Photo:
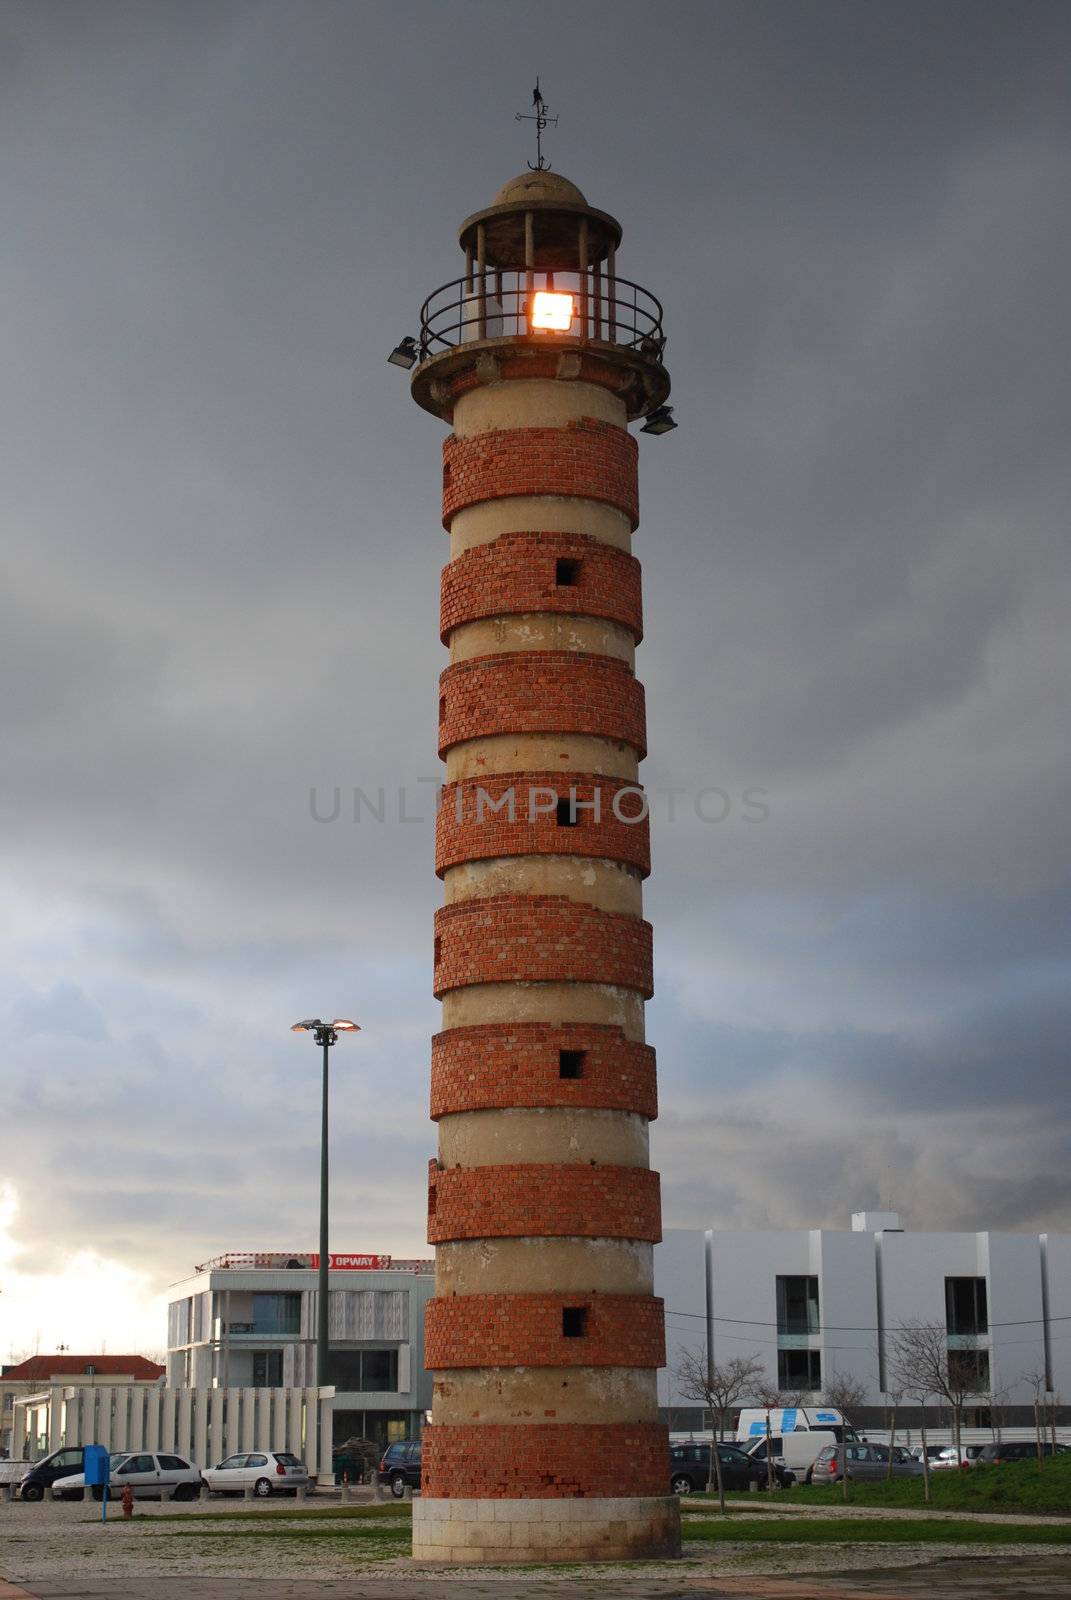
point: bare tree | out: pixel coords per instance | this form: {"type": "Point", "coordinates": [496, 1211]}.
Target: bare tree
{"type": "Point", "coordinates": [846, 1395]}
{"type": "Point", "coordinates": [996, 1398]}
{"type": "Point", "coordinates": [895, 1396]}
{"type": "Point", "coordinates": [921, 1360]}
{"type": "Point", "coordinates": [725, 1385]}
{"type": "Point", "coordinates": [1037, 1382]}
{"type": "Point", "coordinates": [718, 1388]}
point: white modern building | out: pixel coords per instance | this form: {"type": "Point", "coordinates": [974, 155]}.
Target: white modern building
{"type": "Point", "coordinates": [248, 1321]}
{"type": "Point", "coordinates": [812, 1305]}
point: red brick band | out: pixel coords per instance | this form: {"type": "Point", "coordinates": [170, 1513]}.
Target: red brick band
{"type": "Point", "coordinates": [544, 1330]}
{"type": "Point", "coordinates": [545, 1461]}
{"type": "Point", "coordinates": [591, 459]}
{"type": "Point", "coordinates": [517, 814]}
{"type": "Point", "coordinates": [543, 1201]}
{"type": "Point", "coordinates": [492, 1066]}
{"type": "Point", "coordinates": [565, 573]}
{"type": "Point", "coordinates": [541, 691]}
{"type": "Point", "coordinates": [539, 938]}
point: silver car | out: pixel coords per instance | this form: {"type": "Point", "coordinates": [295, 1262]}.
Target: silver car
{"type": "Point", "coordinates": [866, 1463]}
{"type": "Point", "coordinates": [150, 1476]}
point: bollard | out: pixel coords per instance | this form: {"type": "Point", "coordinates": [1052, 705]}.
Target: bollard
{"type": "Point", "coordinates": [345, 1488]}
{"type": "Point", "coordinates": [48, 1495]}
{"type": "Point", "coordinates": [301, 1492]}
{"type": "Point", "coordinates": [407, 1492]}
{"type": "Point", "coordinates": [247, 1492]}
{"type": "Point", "coordinates": [128, 1502]}
{"type": "Point", "coordinates": [753, 1485]}
{"type": "Point", "coordinates": [5, 1492]}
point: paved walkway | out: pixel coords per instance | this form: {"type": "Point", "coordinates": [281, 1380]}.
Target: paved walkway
{"type": "Point", "coordinates": [983, 1578]}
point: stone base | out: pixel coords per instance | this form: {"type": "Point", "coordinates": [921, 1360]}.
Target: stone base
{"type": "Point", "coordinates": [477, 1532]}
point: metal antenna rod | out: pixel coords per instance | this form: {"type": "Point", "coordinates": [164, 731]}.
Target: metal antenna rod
{"type": "Point", "coordinates": [542, 120]}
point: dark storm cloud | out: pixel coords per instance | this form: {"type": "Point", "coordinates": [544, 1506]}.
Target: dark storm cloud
{"type": "Point", "coordinates": [220, 513]}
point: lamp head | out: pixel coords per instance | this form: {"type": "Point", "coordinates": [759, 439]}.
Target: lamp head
{"type": "Point", "coordinates": [404, 354]}
{"type": "Point", "coordinates": [659, 421]}
{"type": "Point", "coordinates": [552, 310]}
{"type": "Point", "coordinates": [307, 1026]}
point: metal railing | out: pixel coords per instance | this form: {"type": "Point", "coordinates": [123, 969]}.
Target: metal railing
{"type": "Point", "coordinates": [498, 305]}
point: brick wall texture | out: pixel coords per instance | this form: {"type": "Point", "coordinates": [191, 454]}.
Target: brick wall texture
{"type": "Point", "coordinates": [541, 691]}
{"type": "Point", "coordinates": [540, 938]}
{"type": "Point", "coordinates": [495, 1065]}
{"type": "Point", "coordinates": [474, 821]}
{"type": "Point", "coordinates": [545, 1201]}
{"type": "Point", "coordinates": [519, 572]}
{"type": "Point", "coordinates": [591, 459]}
{"type": "Point", "coordinates": [559, 1460]}
{"type": "Point", "coordinates": [526, 1330]}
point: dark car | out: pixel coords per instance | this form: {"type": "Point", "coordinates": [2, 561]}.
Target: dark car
{"type": "Point", "coordinates": [43, 1474]}
{"type": "Point", "coordinates": [992, 1455]}
{"type": "Point", "coordinates": [689, 1469]}
{"type": "Point", "coordinates": [400, 1466]}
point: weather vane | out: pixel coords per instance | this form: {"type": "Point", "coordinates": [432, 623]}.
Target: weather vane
{"type": "Point", "coordinates": [541, 120]}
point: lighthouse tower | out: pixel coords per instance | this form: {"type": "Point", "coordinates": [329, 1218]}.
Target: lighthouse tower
{"type": "Point", "coordinates": [544, 1335]}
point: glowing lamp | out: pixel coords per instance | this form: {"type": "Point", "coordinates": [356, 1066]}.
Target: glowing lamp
{"type": "Point", "coordinates": [552, 311]}
{"type": "Point", "coordinates": [343, 1025]}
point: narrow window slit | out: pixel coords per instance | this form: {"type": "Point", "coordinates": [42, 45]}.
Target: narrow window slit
{"type": "Point", "coordinates": [565, 814]}
{"type": "Point", "coordinates": [566, 572]}
{"type": "Point", "coordinates": [571, 1063]}
{"type": "Point", "coordinates": [574, 1322]}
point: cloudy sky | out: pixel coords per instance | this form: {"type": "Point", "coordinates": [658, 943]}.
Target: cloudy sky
{"type": "Point", "coordinates": [219, 510]}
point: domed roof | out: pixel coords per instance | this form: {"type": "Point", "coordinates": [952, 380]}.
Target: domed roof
{"type": "Point", "coordinates": [543, 186]}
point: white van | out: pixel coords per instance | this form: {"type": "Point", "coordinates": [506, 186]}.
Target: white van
{"type": "Point", "coordinates": [792, 1419]}
{"type": "Point", "coordinates": [797, 1435]}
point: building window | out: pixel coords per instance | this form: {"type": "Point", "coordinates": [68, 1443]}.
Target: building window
{"type": "Point", "coordinates": [969, 1370]}
{"type": "Point", "coordinates": [799, 1369]}
{"type": "Point", "coordinates": [276, 1313]}
{"type": "Point", "coordinates": [267, 1369]}
{"type": "Point", "coordinates": [574, 1322]}
{"type": "Point", "coordinates": [966, 1306]}
{"type": "Point", "coordinates": [797, 1305]}
{"type": "Point", "coordinates": [566, 573]}
{"type": "Point", "coordinates": [364, 1371]}
{"type": "Point", "coordinates": [90, 1370]}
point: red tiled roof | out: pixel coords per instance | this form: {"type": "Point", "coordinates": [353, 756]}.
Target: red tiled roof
{"type": "Point", "coordinates": [39, 1369]}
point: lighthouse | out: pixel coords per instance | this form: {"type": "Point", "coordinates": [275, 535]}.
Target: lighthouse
{"type": "Point", "coordinates": [544, 1336]}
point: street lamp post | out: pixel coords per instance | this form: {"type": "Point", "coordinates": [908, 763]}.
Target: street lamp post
{"type": "Point", "coordinates": [325, 1034]}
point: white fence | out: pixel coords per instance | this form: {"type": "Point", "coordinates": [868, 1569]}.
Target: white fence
{"type": "Point", "coordinates": [202, 1424]}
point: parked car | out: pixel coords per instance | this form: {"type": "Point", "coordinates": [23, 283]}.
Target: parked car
{"type": "Point", "coordinates": [993, 1455]}
{"type": "Point", "coordinates": [400, 1466]}
{"type": "Point", "coordinates": [689, 1469]}
{"type": "Point", "coordinates": [44, 1473]}
{"type": "Point", "coordinates": [150, 1476]}
{"type": "Point", "coordinates": [865, 1463]}
{"type": "Point", "coordinates": [265, 1471]}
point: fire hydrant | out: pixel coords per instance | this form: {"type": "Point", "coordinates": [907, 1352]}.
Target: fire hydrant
{"type": "Point", "coordinates": [128, 1501]}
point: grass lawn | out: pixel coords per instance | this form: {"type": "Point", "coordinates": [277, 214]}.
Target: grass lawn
{"type": "Point", "coordinates": [1020, 1486]}
{"type": "Point", "coordinates": [861, 1530]}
